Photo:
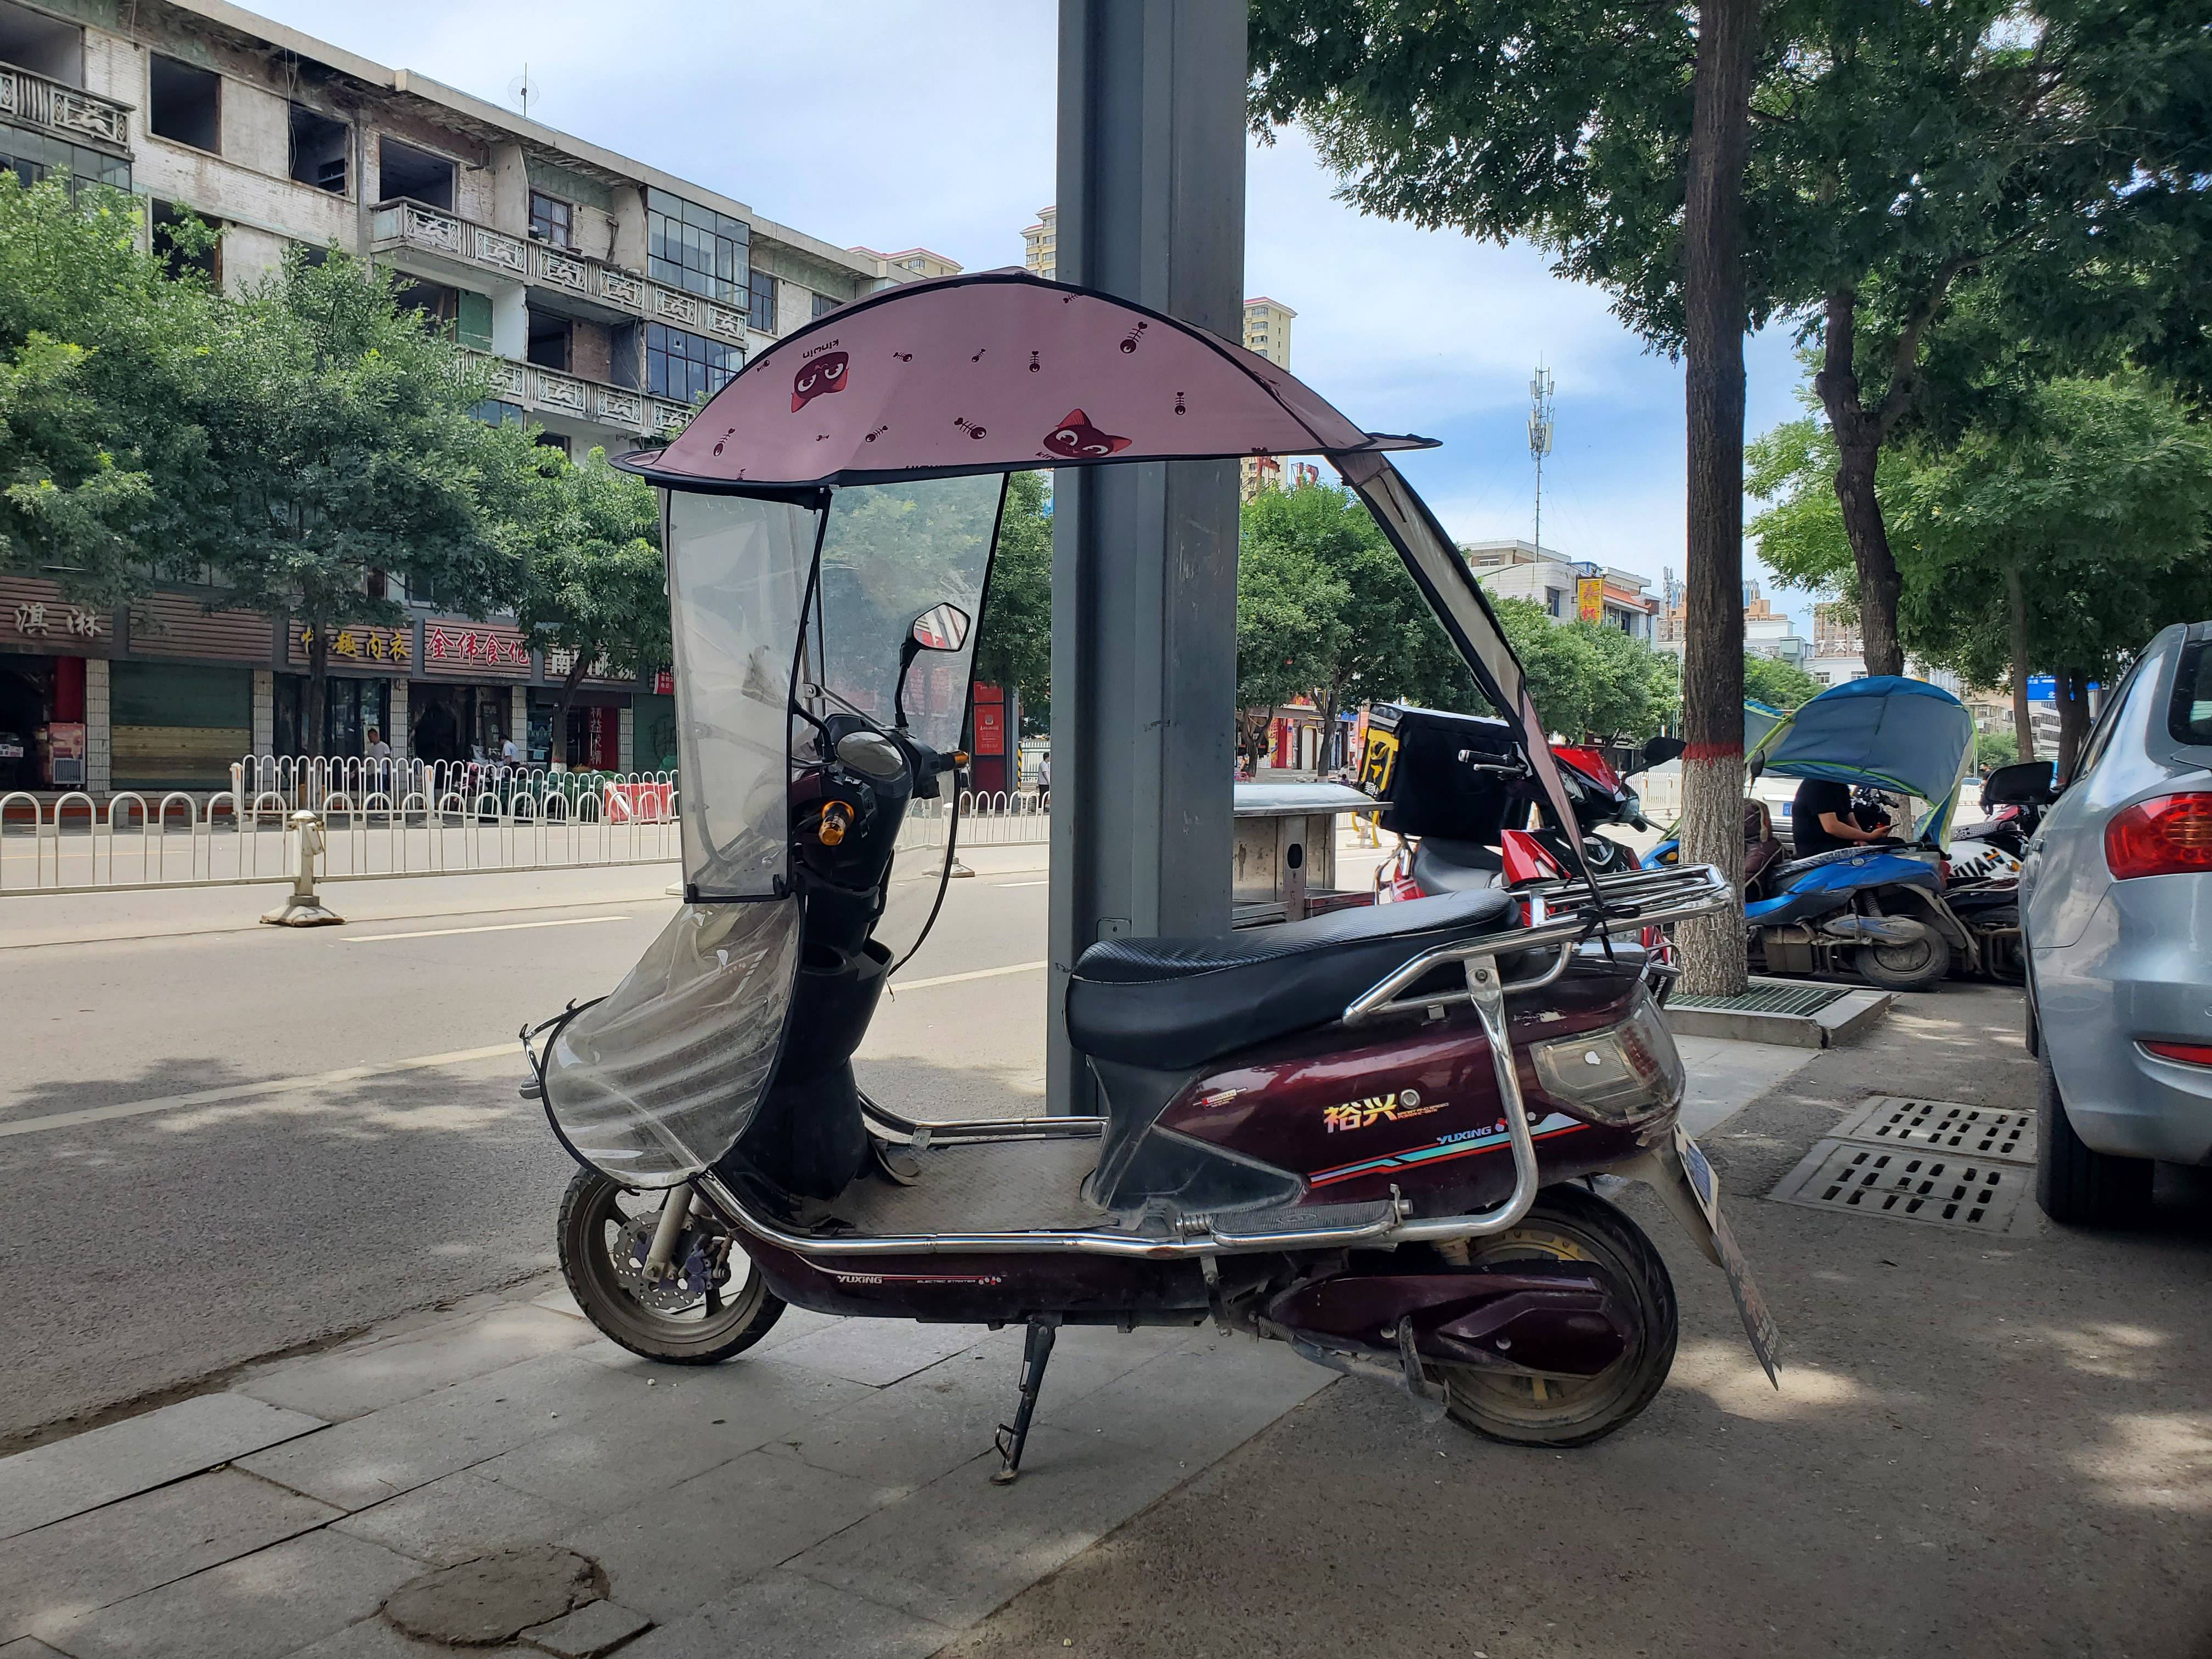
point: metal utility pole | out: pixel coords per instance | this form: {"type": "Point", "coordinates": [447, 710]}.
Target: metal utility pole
{"type": "Point", "coordinates": [1143, 568]}
{"type": "Point", "coordinates": [1540, 438]}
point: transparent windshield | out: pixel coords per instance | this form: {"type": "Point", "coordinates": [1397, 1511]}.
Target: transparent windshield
{"type": "Point", "coordinates": [890, 552]}
{"type": "Point", "coordinates": [736, 588]}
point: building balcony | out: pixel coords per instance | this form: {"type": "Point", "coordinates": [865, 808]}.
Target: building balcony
{"type": "Point", "coordinates": [462, 247]}
{"type": "Point", "coordinates": [549, 391]}
{"type": "Point", "coordinates": [67, 111]}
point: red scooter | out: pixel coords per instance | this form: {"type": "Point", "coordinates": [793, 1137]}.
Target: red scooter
{"type": "Point", "coordinates": [1370, 1134]}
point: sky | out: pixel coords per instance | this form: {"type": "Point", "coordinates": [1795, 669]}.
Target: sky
{"type": "Point", "coordinates": [893, 124]}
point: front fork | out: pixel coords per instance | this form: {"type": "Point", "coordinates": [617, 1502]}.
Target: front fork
{"type": "Point", "coordinates": [668, 1234]}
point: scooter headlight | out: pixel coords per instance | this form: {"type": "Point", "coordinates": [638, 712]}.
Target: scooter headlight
{"type": "Point", "coordinates": [1616, 1075]}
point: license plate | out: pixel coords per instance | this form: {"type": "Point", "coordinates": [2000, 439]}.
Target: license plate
{"type": "Point", "coordinates": [1751, 1306]}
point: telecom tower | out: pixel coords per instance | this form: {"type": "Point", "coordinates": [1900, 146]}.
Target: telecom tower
{"type": "Point", "coordinates": [1540, 438]}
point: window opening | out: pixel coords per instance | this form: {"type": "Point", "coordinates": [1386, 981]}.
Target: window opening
{"type": "Point", "coordinates": [415, 174]}
{"type": "Point", "coordinates": [763, 301]}
{"type": "Point", "coordinates": [186, 242]}
{"type": "Point", "coordinates": [185, 104]}
{"type": "Point", "coordinates": [321, 145]}
{"type": "Point", "coordinates": [552, 220]}
{"type": "Point", "coordinates": [551, 340]}
{"type": "Point", "coordinates": [695, 247]}
{"type": "Point", "coordinates": [824, 304]}
{"type": "Point", "coordinates": [43, 46]}
{"type": "Point", "coordinates": [687, 367]}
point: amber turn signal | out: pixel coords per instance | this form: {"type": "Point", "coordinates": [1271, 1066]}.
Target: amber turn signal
{"type": "Point", "coordinates": [836, 818]}
{"type": "Point", "coordinates": [960, 758]}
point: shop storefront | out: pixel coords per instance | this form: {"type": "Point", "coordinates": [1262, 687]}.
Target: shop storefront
{"type": "Point", "coordinates": [464, 706]}
{"type": "Point", "coordinates": [363, 689]}
{"type": "Point", "coordinates": [179, 725]}
{"type": "Point", "coordinates": [44, 644]}
{"type": "Point", "coordinates": [592, 738]}
{"type": "Point", "coordinates": [652, 728]}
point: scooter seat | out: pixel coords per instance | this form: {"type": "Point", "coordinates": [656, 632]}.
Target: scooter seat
{"type": "Point", "coordinates": [1167, 1004]}
{"type": "Point", "coordinates": [1457, 867]}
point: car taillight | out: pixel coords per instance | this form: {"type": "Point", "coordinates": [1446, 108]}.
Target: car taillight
{"type": "Point", "coordinates": [2189, 1054]}
{"type": "Point", "coordinates": [2165, 835]}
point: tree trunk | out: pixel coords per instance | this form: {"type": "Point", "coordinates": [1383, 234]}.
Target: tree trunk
{"type": "Point", "coordinates": [1859, 448]}
{"type": "Point", "coordinates": [557, 750]}
{"type": "Point", "coordinates": [1712, 668]}
{"type": "Point", "coordinates": [318, 686]}
{"type": "Point", "coordinates": [2023, 727]}
{"type": "Point", "coordinates": [2072, 718]}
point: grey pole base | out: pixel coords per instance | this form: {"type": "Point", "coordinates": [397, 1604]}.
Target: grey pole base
{"type": "Point", "coordinates": [303, 910]}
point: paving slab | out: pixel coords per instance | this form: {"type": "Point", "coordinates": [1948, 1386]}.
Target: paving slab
{"type": "Point", "coordinates": [912, 1431]}
{"type": "Point", "coordinates": [1726, 1075]}
{"type": "Point", "coordinates": [588, 1632]}
{"type": "Point", "coordinates": [459, 1517]}
{"type": "Point", "coordinates": [1196, 1402]}
{"type": "Point", "coordinates": [959, 1546]}
{"type": "Point", "coordinates": [28, 1647]}
{"type": "Point", "coordinates": [360, 1463]}
{"type": "Point", "coordinates": [362, 1377]}
{"type": "Point", "coordinates": [785, 1616]}
{"type": "Point", "coordinates": [111, 1553]}
{"type": "Point", "coordinates": [52, 1483]}
{"type": "Point", "coordinates": [259, 1606]}
{"type": "Point", "coordinates": [693, 1419]}
{"type": "Point", "coordinates": [879, 1351]}
{"type": "Point", "coordinates": [374, 1639]}
{"type": "Point", "coordinates": [695, 1543]}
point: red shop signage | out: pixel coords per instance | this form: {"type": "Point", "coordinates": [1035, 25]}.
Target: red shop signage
{"type": "Point", "coordinates": [472, 650]}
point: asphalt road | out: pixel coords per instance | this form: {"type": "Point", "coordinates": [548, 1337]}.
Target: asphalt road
{"type": "Point", "coordinates": [149, 1247]}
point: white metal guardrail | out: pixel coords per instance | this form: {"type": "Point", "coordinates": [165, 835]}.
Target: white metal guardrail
{"type": "Point", "coordinates": [396, 818]}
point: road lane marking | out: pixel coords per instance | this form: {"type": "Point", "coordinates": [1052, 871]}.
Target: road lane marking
{"type": "Point", "coordinates": [493, 927]}
{"type": "Point", "coordinates": [285, 1086]}
{"type": "Point", "coordinates": [1046, 883]}
{"type": "Point", "coordinates": [956, 979]}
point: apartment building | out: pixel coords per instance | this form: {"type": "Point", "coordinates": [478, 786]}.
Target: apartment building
{"type": "Point", "coordinates": [1041, 244]}
{"type": "Point", "coordinates": [1521, 570]}
{"type": "Point", "coordinates": [608, 295]}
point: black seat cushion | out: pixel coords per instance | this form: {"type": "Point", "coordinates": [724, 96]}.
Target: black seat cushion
{"type": "Point", "coordinates": [1456, 866]}
{"type": "Point", "coordinates": [1169, 1003]}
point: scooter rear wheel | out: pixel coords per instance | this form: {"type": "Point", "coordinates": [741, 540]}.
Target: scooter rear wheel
{"type": "Point", "coordinates": [601, 1225]}
{"type": "Point", "coordinates": [1919, 966]}
{"type": "Point", "coordinates": [1571, 1224]}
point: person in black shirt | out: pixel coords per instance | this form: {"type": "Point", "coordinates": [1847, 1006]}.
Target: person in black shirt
{"type": "Point", "coordinates": [1820, 819]}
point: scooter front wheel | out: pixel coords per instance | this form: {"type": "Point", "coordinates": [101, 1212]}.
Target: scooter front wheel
{"type": "Point", "coordinates": [720, 1306]}
{"type": "Point", "coordinates": [1571, 1224]}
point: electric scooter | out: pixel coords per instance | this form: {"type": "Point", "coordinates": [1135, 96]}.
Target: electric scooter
{"type": "Point", "coordinates": [1372, 1135]}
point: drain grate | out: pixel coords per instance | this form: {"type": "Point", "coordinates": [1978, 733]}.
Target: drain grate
{"type": "Point", "coordinates": [1942, 1126]}
{"type": "Point", "coordinates": [1941, 1190]}
{"type": "Point", "coordinates": [1803, 1000]}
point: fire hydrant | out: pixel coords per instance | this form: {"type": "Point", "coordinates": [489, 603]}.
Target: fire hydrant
{"type": "Point", "coordinates": [304, 907]}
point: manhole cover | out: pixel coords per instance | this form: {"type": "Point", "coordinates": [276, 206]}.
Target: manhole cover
{"type": "Point", "coordinates": [496, 1596]}
{"type": "Point", "coordinates": [1803, 1001]}
{"type": "Point", "coordinates": [1938, 1188]}
{"type": "Point", "coordinates": [1942, 1126]}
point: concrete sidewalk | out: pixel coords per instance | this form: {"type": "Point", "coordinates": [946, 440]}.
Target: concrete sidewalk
{"type": "Point", "coordinates": [827, 1492]}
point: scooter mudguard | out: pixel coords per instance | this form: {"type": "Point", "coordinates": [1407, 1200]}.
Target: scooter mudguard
{"type": "Point", "coordinates": [1678, 1172]}
{"type": "Point", "coordinates": [1552, 1317]}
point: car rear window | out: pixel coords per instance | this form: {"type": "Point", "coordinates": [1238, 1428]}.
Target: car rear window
{"type": "Point", "coordinates": [2190, 719]}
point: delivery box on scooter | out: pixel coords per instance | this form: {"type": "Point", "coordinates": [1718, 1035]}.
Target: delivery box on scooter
{"type": "Point", "coordinates": [1441, 773]}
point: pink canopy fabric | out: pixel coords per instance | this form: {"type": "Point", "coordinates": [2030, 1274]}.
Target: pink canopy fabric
{"type": "Point", "coordinates": [996, 371]}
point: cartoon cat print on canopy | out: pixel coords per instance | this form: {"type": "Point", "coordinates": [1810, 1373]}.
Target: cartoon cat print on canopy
{"type": "Point", "coordinates": [817, 378]}
{"type": "Point", "coordinates": [1076, 440]}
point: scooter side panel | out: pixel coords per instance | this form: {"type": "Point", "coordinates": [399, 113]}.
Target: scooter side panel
{"type": "Point", "coordinates": [986, 1290]}
{"type": "Point", "coordinates": [1416, 1107]}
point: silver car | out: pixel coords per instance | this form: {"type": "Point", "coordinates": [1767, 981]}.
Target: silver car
{"type": "Point", "coordinates": [2118, 922]}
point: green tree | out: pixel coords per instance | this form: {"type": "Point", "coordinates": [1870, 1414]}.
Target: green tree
{"type": "Point", "coordinates": [2055, 541]}
{"type": "Point", "coordinates": [1637, 689]}
{"type": "Point", "coordinates": [1289, 629]}
{"type": "Point", "coordinates": [1777, 684]}
{"type": "Point", "coordinates": [1588, 682]}
{"type": "Point", "coordinates": [1014, 645]}
{"type": "Point", "coordinates": [343, 460]}
{"type": "Point", "coordinates": [594, 585]}
{"type": "Point", "coordinates": [103, 359]}
{"type": "Point", "coordinates": [1995, 749]}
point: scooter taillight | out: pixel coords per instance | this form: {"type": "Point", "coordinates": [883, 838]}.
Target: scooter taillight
{"type": "Point", "coordinates": [1616, 1075]}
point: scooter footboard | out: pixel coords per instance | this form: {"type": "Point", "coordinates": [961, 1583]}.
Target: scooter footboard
{"type": "Point", "coordinates": [1678, 1172]}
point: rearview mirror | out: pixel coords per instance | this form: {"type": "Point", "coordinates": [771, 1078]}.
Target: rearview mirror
{"type": "Point", "coordinates": [2024, 783]}
{"type": "Point", "coordinates": [1657, 752]}
{"type": "Point", "coordinates": [941, 628]}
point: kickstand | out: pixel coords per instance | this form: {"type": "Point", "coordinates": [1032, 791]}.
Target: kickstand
{"type": "Point", "coordinates": [1036, 1354]}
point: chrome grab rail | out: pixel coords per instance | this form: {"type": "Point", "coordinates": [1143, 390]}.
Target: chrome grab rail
{"type": "Point", "coordinates": [1696, 889]}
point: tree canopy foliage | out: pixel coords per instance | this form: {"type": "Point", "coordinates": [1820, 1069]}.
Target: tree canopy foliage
{"type": "Point", "coordinates": [1777, 684]}
{"type": "Point", "coordinates": [1589, 680]}
{"type": "Point", "coordinates": [1014, 646]}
